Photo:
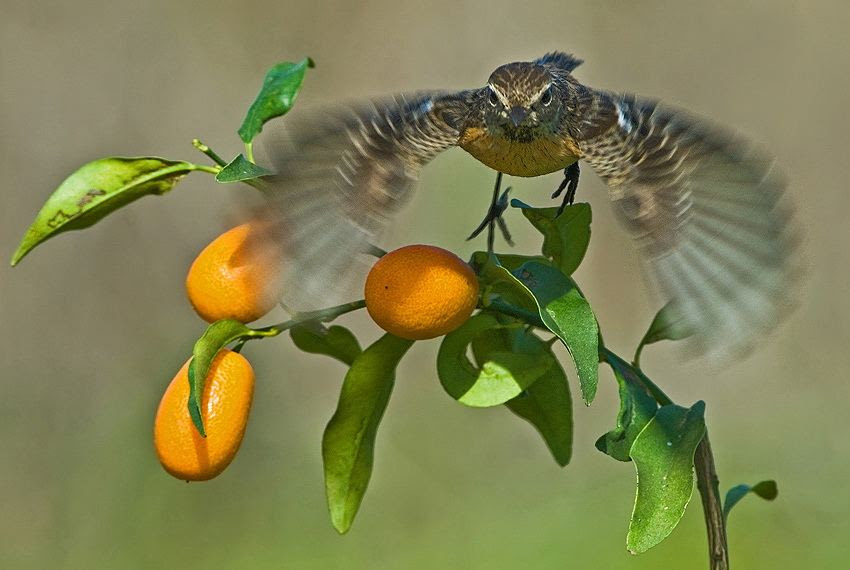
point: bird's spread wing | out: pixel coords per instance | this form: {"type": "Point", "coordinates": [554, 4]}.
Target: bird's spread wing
{"type": "Point", "coordinates": [706, 208]}
{"type": "Point", "coordinates": [339, 176]}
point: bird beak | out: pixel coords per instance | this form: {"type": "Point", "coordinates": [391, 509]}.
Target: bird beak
{"type": "Point", "coordinates": [518, 115]}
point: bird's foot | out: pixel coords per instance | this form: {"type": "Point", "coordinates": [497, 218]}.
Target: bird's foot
{"type": "Point", "coordinates": [494, 217]}
{"type": "Point", "coordinates": [570, 183]}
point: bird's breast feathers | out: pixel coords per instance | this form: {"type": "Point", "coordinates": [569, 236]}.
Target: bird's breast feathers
{"type": "Point", "coordinates": [520, 158]}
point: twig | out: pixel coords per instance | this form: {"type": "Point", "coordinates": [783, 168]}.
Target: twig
{"type": "Point", "coordinates": [712, 507]}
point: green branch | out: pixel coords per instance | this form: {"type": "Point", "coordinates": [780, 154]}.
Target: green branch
{"type": "Point", "coordinates": [320, 316]}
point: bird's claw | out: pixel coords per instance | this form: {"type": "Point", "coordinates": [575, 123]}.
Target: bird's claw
{"type": "Point", "coordinates": [494, 215]}
{"type": "Point", "coordinates": [570, 183]}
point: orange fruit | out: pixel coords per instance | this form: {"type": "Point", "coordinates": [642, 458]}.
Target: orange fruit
{"type": "Point", "coordinates": [235, 276]}
{"type": "Point", "coordinates": [420, 291]}
{"type": "Point", "coordinates": [225, 405]}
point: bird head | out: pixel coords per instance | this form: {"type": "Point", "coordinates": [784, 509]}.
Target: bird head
{"type": "Point", "coordinates": [521, 101]}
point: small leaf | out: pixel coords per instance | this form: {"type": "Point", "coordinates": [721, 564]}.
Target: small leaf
{"type": "Point", "coordinates": [767, 490]}
{"type": "Point", "coordinates": [349, 441]}
{"type": "Point", "coordinates": [565, 237]}
{"type": "Point", "coordinates": [280, 87]}
{"type": "Point", "coordinates": [667, 325]}
{"type": "Point", "coordinates": [500, 375]}
{"type": "Point", "coordinates": [217, 336]}
{"type": "Point", "coordinates": [97, 189]}
{"type": "Point", "coordinates": [637, 407]}
{"type": "Point", "coordinates": [337, 342]}
{"type": "Point", "coordinates": [240, 169]}
{"type": "Point", "coordinates": [664, 458]}
{"type": "Point", "coordinates": [567, 314]}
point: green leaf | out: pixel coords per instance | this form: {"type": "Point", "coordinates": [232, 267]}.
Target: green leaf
{"type": "Point", "coordinates": [500, 374]}
{"type": "Point", "coordinates": [97, 189]}
{"type": "Point", "coordinates": [565, 237]}
{"type": "Point", "coordinates": [337, 342]}
{"type": "Point", "coordinates": [240, 169]}
{"type": "Point", "coordinates": [637, 407]}
{"type": "Point", "coordinates": [497, 281]}
{"type": "Point", "coordinates": [767, 490]}
{"type": "Point", "coordinates": [217, 336]}
{"type": "Point", "coordinates": [547, 405]}
{"type": "Point", "coordinates": [664, 458]}
{"type": "Point", "coordinates": [280, 87]}
{"type": "Point", "coordinates": [567, 314]}
{"type": "Point", "coordinates": [667, 325]}
{"type": "Point", "coordinates": [349, 441]}
{"type": "Point", "coordinates": [509, 261]}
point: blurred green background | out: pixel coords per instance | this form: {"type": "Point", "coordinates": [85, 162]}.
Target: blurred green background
{"type": "Point", "coordinates": [95, 323]}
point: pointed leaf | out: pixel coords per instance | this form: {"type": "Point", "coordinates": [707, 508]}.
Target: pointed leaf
{"type": "Point", "coordinates": [767, 490]}
{"type": "Point", "coordinates": [97, 189]}
{"type": "Point", "coordinates": [501, 374]}
{"type": "Point", "coordinates": [217, 336]}
{"type": "Point", "coordinates": [567, 314]}
{"type": "Point", "coordinates": [667, 325]}
{"type": "Point", "coordinates": [280, 87]}
{"type": "Point", "coordinates": [637, 407]}
{"type": "Point", "coordinates": [565, 237]}
{"type": "Point", "coordinates": [240, 169]}
{"type": "Point", "coordinates": [664, 458]}
{"type": "Point", "coordinates": [349, 440]}
{"type": "Point", "coordinates": [337, 342]}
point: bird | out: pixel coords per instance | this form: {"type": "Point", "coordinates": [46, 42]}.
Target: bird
{"type": "Point", "coordinates": [706, 207]}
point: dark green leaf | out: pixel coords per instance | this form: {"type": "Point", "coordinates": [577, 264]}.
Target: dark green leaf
{"type": "Point", "coordinates": [547, 405]}
{"type": "Point", "coordinates": [565, 237]}
{"type": "Point", "coordinates": [664, 458]}
{"type": "Point", "coordinates": [501, 374]}
{"type": "Point", "coordinates": [217, 336]}
{"type": "Point", "coordinates": [337, 342]}
{"type": "Point", "coordinates": [567, 314]}
{"type": "Point", "coordinates": [97, 189]}
{"type": "Point", "coordinates": [349, 441]}
{"type": "Point", "coordinates": [280, 87]}
{"type": "Point", "coordinates": [767, 490]}
{"type": "Point", "coordinates": [240, 169]}
{"type": "Point", "coordinates": [637, 407]}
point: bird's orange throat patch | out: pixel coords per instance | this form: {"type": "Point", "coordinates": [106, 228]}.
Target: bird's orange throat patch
{"type": "Point", "coordinates": [533, 158]}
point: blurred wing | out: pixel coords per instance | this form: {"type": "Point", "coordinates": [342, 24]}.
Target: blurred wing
{"type": "Point", "coordinates": [339, 176]}
{"type": "Point", "coordinates": [705, 207]}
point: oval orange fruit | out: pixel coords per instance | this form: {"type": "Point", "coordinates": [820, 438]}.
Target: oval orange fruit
{"type": "Point", "coordinates": [225, 405]}
{"type": "Point", "coordinates": [235, 276]}
{"type": "Point", "coordinates": [420, 291]}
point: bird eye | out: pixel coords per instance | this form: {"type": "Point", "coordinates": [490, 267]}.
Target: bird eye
{"type": "Point", "coordinates": [546, 98]}
{"type": "Point", "coordinates": [493, 99]}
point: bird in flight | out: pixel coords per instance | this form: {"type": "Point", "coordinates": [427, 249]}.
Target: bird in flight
{"type": "Point", "coordinates": [704, 205]}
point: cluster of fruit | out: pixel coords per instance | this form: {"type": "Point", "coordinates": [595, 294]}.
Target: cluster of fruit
{"type": "Point", "coordinates": [415, 292]}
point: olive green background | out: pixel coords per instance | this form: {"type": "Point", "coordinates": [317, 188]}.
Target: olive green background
{"type": "Point", "coordinates": [94, 324]}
